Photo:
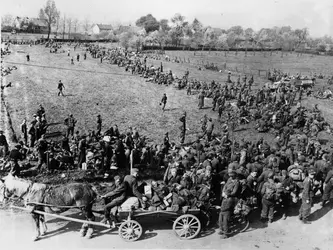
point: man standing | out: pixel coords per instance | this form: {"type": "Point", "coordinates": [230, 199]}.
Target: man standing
{"type": "Point", "coordinates": [229, 193]}
{"type": "Point", "coordinates": [210, 128]}
{"type": "Point", "coordinates": [78, 57]}
{"type": "Point", "coordinates": [60, 88]}
{"type": "Point", "coordinates": [3, 144]}
{"type": "Point", "coordinates": [268, 192]}
{"type": "Point", "coordinates": [24, 131]}
{"type": "Point", "coordinates": [182, 127]}
{"type": "Point", "coordinates": [70, 122]}
{"type": "Point", "coordinates": [41, 148]}
{"type": "Point", "coordinates": [164, 101]}
{"type": "Point", "coordinates": [82, 151]}
{"type": "Point", "coordinates": [201, 98]}
{"type": "Point", "coordinates": [307, 196]}
{"type": "Point", "coordinates": [28, 58]}
{"type": "Point", "coordinates": [99, 125]}
{"type": "Point", "coordinates": [15, 156]}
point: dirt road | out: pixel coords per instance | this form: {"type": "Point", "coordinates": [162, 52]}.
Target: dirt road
{"type": "Point", "coordinates": [17, 233]}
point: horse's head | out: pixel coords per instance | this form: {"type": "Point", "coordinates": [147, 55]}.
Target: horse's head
{"type": "Point", "coordinates": [13, 186]}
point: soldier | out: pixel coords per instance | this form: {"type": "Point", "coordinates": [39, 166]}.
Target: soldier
{"type": "Point", "coordinates": [14, 156]}
{"type": "Point", "coordinates": [163, 101]}
{"type": "Point", "coordinates": [41, 148]}
{"type": "Point", "coordinates": [70, 123]}
{"type": "Point", "coordinates": [3, 144]}
{"type": "Point", "coordinates": [78, 57]}
{"type": "Point", "coordinates": [268, 192]}
{"type": "Point", "coordinates": [201, 98]}
{"type": "Point", "coordinates": [99, 125]}
{"type": "Point", "coordinates": [307, 197]}
{"type": "Point", "coordinates": [229, 193]}
{"type": "Point", "coordinates": [24, 131]}
{"type": "Point", "coordinates": [117, 197]}
{"type": "Point", "coordinates": [60, 88]}
{"type": "Point", "coordinates": [182, 127]}
{"type": "Point", "coordinates": [82, 151]}
{"type": "Point", "coordinates": [210, 128]}
{"type": "Point", "coordinates": [28, 57]}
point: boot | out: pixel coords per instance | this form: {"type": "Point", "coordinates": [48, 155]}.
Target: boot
{"type": "Point", "coordinates": [323, 203]}
{"type": "Point", "coordinates": [305, 221]}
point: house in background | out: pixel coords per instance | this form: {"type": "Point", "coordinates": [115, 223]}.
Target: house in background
{"type": "Point", "coordinates": [34, 25]}
{"type": "Point", "coordinates": [99, 28]}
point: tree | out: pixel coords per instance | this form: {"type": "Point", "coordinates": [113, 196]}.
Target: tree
{"type": "Point", "coordinates": [158, 36]}
{"type": "Point", "coordinates": [176, 33]}
{"type": "Point", "coordinates": [301, 35]}
{"type": "Point", "coordinates": [164, 25]}
{"type": "Point", "coordinates": [237, 30]}
{"type": "Point", "coordinates": [86, 25]}
{"type": "Point", "coordinates": [57, 24]}
{"type": "Point", "coordinates": [75, 24]}
{"type": "Point", "coordinates": [63, 22]}
{"type": "Point", "coordinates": [222, 41]}
{"type": "Point", "coordinates": [148, 22]}
{"type": "Point", "coordinates": [69, 26]}
{"type": "Point", "coordinates": [124, 39]}
{"type": "Point", "coordinates": [50, 14]}
{"type": "Point", "coordinates": [7, 21]}
{"type": "Point", "coordinates": [210, 38]}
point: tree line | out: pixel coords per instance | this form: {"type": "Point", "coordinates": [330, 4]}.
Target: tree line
{"type": "Point", "coordinates": [180, 32]}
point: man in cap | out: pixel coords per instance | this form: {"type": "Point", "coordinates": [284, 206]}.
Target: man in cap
{"type": "Point", "coordinates": [41, 148]}
{"type": "Point", "coordinates": [229, 193]}
{"type": "Point", "coordinates": [307, 197]}
{"type": "Point", "coordinates": [15, 156]}
{"type": "Point", "coordinates": [132, 185]}
{"type": "Point", "coordinates": [82, 151]}
{"type": "Point", "coordinates": [24, 131]}
{"type": "Point", "coordinates": [60, 88]}
{"type": "Point", "coordinates": [70, 122]}
{"type": "Point", "coordinates": [268, 193]}
{"type": "Point", "coordinates": [210, 128]}
{"type": "Point", "coordinates": [163, 101]}
{"type": "Point", "coordinates": [328, 189]}
{"type": "Point", "coordinates": [116, 197]}
{"type": "Point", "coordinates": [3, 144]}
{"type": "Point", "coordinates": [182, 127]}
{"type": "Point", "coordinates": [99, 125]}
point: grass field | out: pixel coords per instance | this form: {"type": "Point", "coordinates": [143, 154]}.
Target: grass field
{"type": "Point", "coordinates": [127, 100]}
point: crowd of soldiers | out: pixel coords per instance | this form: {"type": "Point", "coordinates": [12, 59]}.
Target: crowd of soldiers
{"type": "Point", "coordinates": [269, 175]}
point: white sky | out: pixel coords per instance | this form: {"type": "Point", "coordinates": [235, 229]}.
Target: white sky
{"type": "Point", "coordinates": [317, 15]}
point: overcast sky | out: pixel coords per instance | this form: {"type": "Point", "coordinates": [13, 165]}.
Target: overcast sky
{"type": "Point", "coordinates": [317, 15]}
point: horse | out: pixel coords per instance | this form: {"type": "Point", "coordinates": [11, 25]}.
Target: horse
{"type": "Point", "coordinates": [57, 199]}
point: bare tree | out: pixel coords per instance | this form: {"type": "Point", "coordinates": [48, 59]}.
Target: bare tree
{"type": "Point", "coordinates": [69, 25]}
{"type": "Point", "coordinates": [75, 24]}
{"type": "Point", "coordinates": [86, 25]}
{"type": "Point", "coordinates": [49, 13]}
{"type": "Point", "coordinates": [7, 20]}
{"type": "Point", "coordinates": [57, 24]}
{"type": "Point", "coordinates": [63, 26]}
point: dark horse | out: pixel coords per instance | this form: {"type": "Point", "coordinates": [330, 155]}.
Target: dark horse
{"type": "Point", "coordinates": [60, 198]}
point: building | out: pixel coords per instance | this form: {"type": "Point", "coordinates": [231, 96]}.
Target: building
{"type": "Point", "coordinates": [99, 28]}
{"type": "Point", "coordinates": [34, 25]}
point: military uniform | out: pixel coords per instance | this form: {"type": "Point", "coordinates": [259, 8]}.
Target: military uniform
{"type": "Point", "coordinates": [307, 197]}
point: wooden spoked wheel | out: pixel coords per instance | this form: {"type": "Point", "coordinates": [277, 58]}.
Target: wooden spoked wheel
{"type": "Point", "coordinates": [187, 226]}
{"type": "Point", "coordinates": [130, 230]}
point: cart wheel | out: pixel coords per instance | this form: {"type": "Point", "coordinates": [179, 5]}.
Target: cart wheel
{"type": "Point", "coordinates": [130, 230]}
{"type": "Point", "coordinates": [187, 226]}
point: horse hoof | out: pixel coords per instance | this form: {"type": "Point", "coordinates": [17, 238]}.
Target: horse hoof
{"type": "Point", "coordinates": [83, 233]}
{"type": "Point", "coordinates": [89, 234]}
{"type": "Point", "coordinates": [36, 238]}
